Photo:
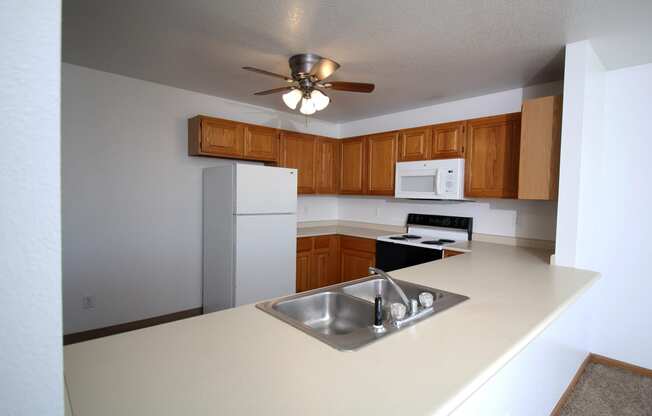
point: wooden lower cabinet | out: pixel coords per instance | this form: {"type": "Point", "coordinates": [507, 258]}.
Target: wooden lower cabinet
{"type": "Point", "coordinates": [357, 255]}
{"type": "Point", "coordinates": [331, 259]}
{"type": "Point", "coordinates": [326, 260]}
{"type": "Point", "coordinates": [318, 262]}
{"type": "Point", "coordinates": [451, 253]}
{"type": "Point", "coordinates": [304, 272]}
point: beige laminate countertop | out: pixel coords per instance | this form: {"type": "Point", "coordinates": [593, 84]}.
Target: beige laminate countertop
{"type": "Point", "coordinates": [243, 361]}
{"type": "Point", "coordinates": [351, 231]}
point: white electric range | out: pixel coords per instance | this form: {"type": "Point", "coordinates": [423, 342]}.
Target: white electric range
{"type": "Point", "coordinates": [426, 237]}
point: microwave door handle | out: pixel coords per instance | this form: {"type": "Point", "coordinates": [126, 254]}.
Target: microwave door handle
{"type": "Point", "coordinates": [437, 182]}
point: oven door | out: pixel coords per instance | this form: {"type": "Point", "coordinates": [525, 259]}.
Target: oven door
{"type": "Point", "coordinates": [390, 256]}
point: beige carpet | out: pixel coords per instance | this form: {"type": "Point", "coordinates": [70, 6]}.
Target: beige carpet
{"type": "Point", "coordinates": [610, 391]}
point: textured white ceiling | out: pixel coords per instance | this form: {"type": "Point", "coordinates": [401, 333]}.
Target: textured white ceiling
{"type": "Point", "coordinates": [416, 52]}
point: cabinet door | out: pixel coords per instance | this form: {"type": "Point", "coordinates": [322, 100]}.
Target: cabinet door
{"type": "Point", "coordinates": [327, 165]}
{"type": "Point", "coordinates": [355, 264]}
{"type": "Point", "coordinates": [298, 151]}
{"type": "Point", "coordinates": [304, 272]}
{"type": "Point", "coordinates": [260, 143]}
{"type": "Point", "coordinates": [352, 166]}
{"type": "Point", "coordinates": [414, 144]}
{"type": "Point", "coordinates": [222, 137]}
{"type": "Point", "coordinates": [538, 176]}
{"type": "Point", "coordinates": [492, 156]}
{"type": "Point", "coordinates": [448, 140]}
{"type": "Point", "coordinates": [381, 158]}
{"type": "Point", "coordinates": [325, 260]}
{"type": "Point", "coordinates": [451, 253]}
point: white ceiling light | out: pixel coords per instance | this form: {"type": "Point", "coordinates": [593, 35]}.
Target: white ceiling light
{"type": "Point", "coordinates": [307, 106]}
{"type": "Point", "coordinates": [320, 99]}
{"type": "Point", "coordinates": [292, 98]}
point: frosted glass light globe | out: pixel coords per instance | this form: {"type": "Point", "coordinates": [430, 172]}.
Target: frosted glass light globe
{"type": "Point", "coordinates": [292, 98]}
{"type": "Point", "coordinates": [320, 99]}
{"type": "Point", "coordinates": [307, 106]}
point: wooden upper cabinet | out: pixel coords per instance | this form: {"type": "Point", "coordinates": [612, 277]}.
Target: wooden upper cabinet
{"type": "Point", "coordinates": [448, 140]}
{"type": "Point", "coordinates": [298, 151]}
{"type": "Point", "coordinates": [538, 176]}
{"type": "Point", "coordinates": [492, 156]}
{"type": "Point", "coordinates": [414, 144]}
{"type": "Point", "coordinates": [260, 143]}
{"type": "Point", "coordinates": [382, 152]}
{"type": "Point", "coordinates": [352, 162]}
{"type": "Point", "coordinates": [327, 165]}
{"type": "Point", "coordinates": [209, 136]}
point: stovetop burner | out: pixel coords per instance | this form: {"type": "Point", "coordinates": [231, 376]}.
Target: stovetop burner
{"type": "Point", "coordinates": [405, 237]}
{"type": "Point", "coordinates": [439, 242]}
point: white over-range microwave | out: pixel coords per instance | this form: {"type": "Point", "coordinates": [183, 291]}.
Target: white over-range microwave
{"type": "Point", "coordinates": [430, 179]}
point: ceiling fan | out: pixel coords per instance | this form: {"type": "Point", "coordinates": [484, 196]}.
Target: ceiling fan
{"type": "Point", "coordinates": [308, 74]}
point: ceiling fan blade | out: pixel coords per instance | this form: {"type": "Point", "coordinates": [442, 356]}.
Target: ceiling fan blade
{"type": "Point", "coordinates": [271, 74]}
{"type": "Point", "coordinates": [349, 86]}
{"type": "Point", "coordinates": [274, 91]}
{"type": "Point", "coordinates": [324, 68]}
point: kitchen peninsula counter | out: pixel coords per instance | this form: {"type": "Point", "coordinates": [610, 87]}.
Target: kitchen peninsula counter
{"type": "Point", "coordinates": [243, 361]}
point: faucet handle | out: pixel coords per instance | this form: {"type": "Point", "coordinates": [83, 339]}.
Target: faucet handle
{"type": "Point", "coordinates": [398, 311]}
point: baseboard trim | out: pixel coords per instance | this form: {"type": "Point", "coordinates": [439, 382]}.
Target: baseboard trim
{"type": "Point", "coordinates": [596, 359]}
{"type": "Point", "coordinates": [129, 326]}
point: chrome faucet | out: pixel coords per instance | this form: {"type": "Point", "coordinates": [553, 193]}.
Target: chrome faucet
{"type": "Point", "coordinates": [410, 306]}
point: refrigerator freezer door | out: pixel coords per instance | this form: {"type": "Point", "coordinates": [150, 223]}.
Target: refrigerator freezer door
{"type": "Point", "coordinates": [265, 190]}
{"type": "Point", "coordinates": [265, 257]}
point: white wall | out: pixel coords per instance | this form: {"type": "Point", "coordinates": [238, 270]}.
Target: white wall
{"type": "Point", "coordinates": [317, 208]}
{"type": "Point", "coordinates": [31, 365]}
{"type": "Point", "coordinates": [132, 196]}
{"type": "Point", "coordinates": [625, 312]}
{"type": "Point", "coordinates": [605, 198]}
{"type": "Point", "coordinates": [581, 149]}
{"type": "Point", "coordinates": [481, 106]}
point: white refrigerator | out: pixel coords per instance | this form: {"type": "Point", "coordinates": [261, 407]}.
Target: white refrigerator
{"type": "Point", "coordinates": [250, 228]}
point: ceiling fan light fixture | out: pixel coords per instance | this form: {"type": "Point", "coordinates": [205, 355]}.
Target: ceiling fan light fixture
{"type": "Point", "coordinates": [292, 98]}
{"type": "Point", "coordinates": [319, 99]}
{"type": "Point", "coordinates": [307, 107]}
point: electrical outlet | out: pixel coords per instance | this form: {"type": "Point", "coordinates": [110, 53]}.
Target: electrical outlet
{"type": "Point", "coordinates": [88, 302]}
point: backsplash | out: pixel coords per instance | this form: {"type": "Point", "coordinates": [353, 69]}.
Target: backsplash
{"type": "Point", "coordinates": [511, 218]}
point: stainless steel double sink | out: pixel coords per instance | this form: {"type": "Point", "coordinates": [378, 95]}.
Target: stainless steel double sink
{"type": "Point", "coordinates": [342, 315]}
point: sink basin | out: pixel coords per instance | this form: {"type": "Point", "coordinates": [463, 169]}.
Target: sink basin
{"type": "Point", "coordinates": [330, 313]}
{"type": "Point", "coordinates": [342, 315]}
{"type": "Point", "coordinates": [369, 289]}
